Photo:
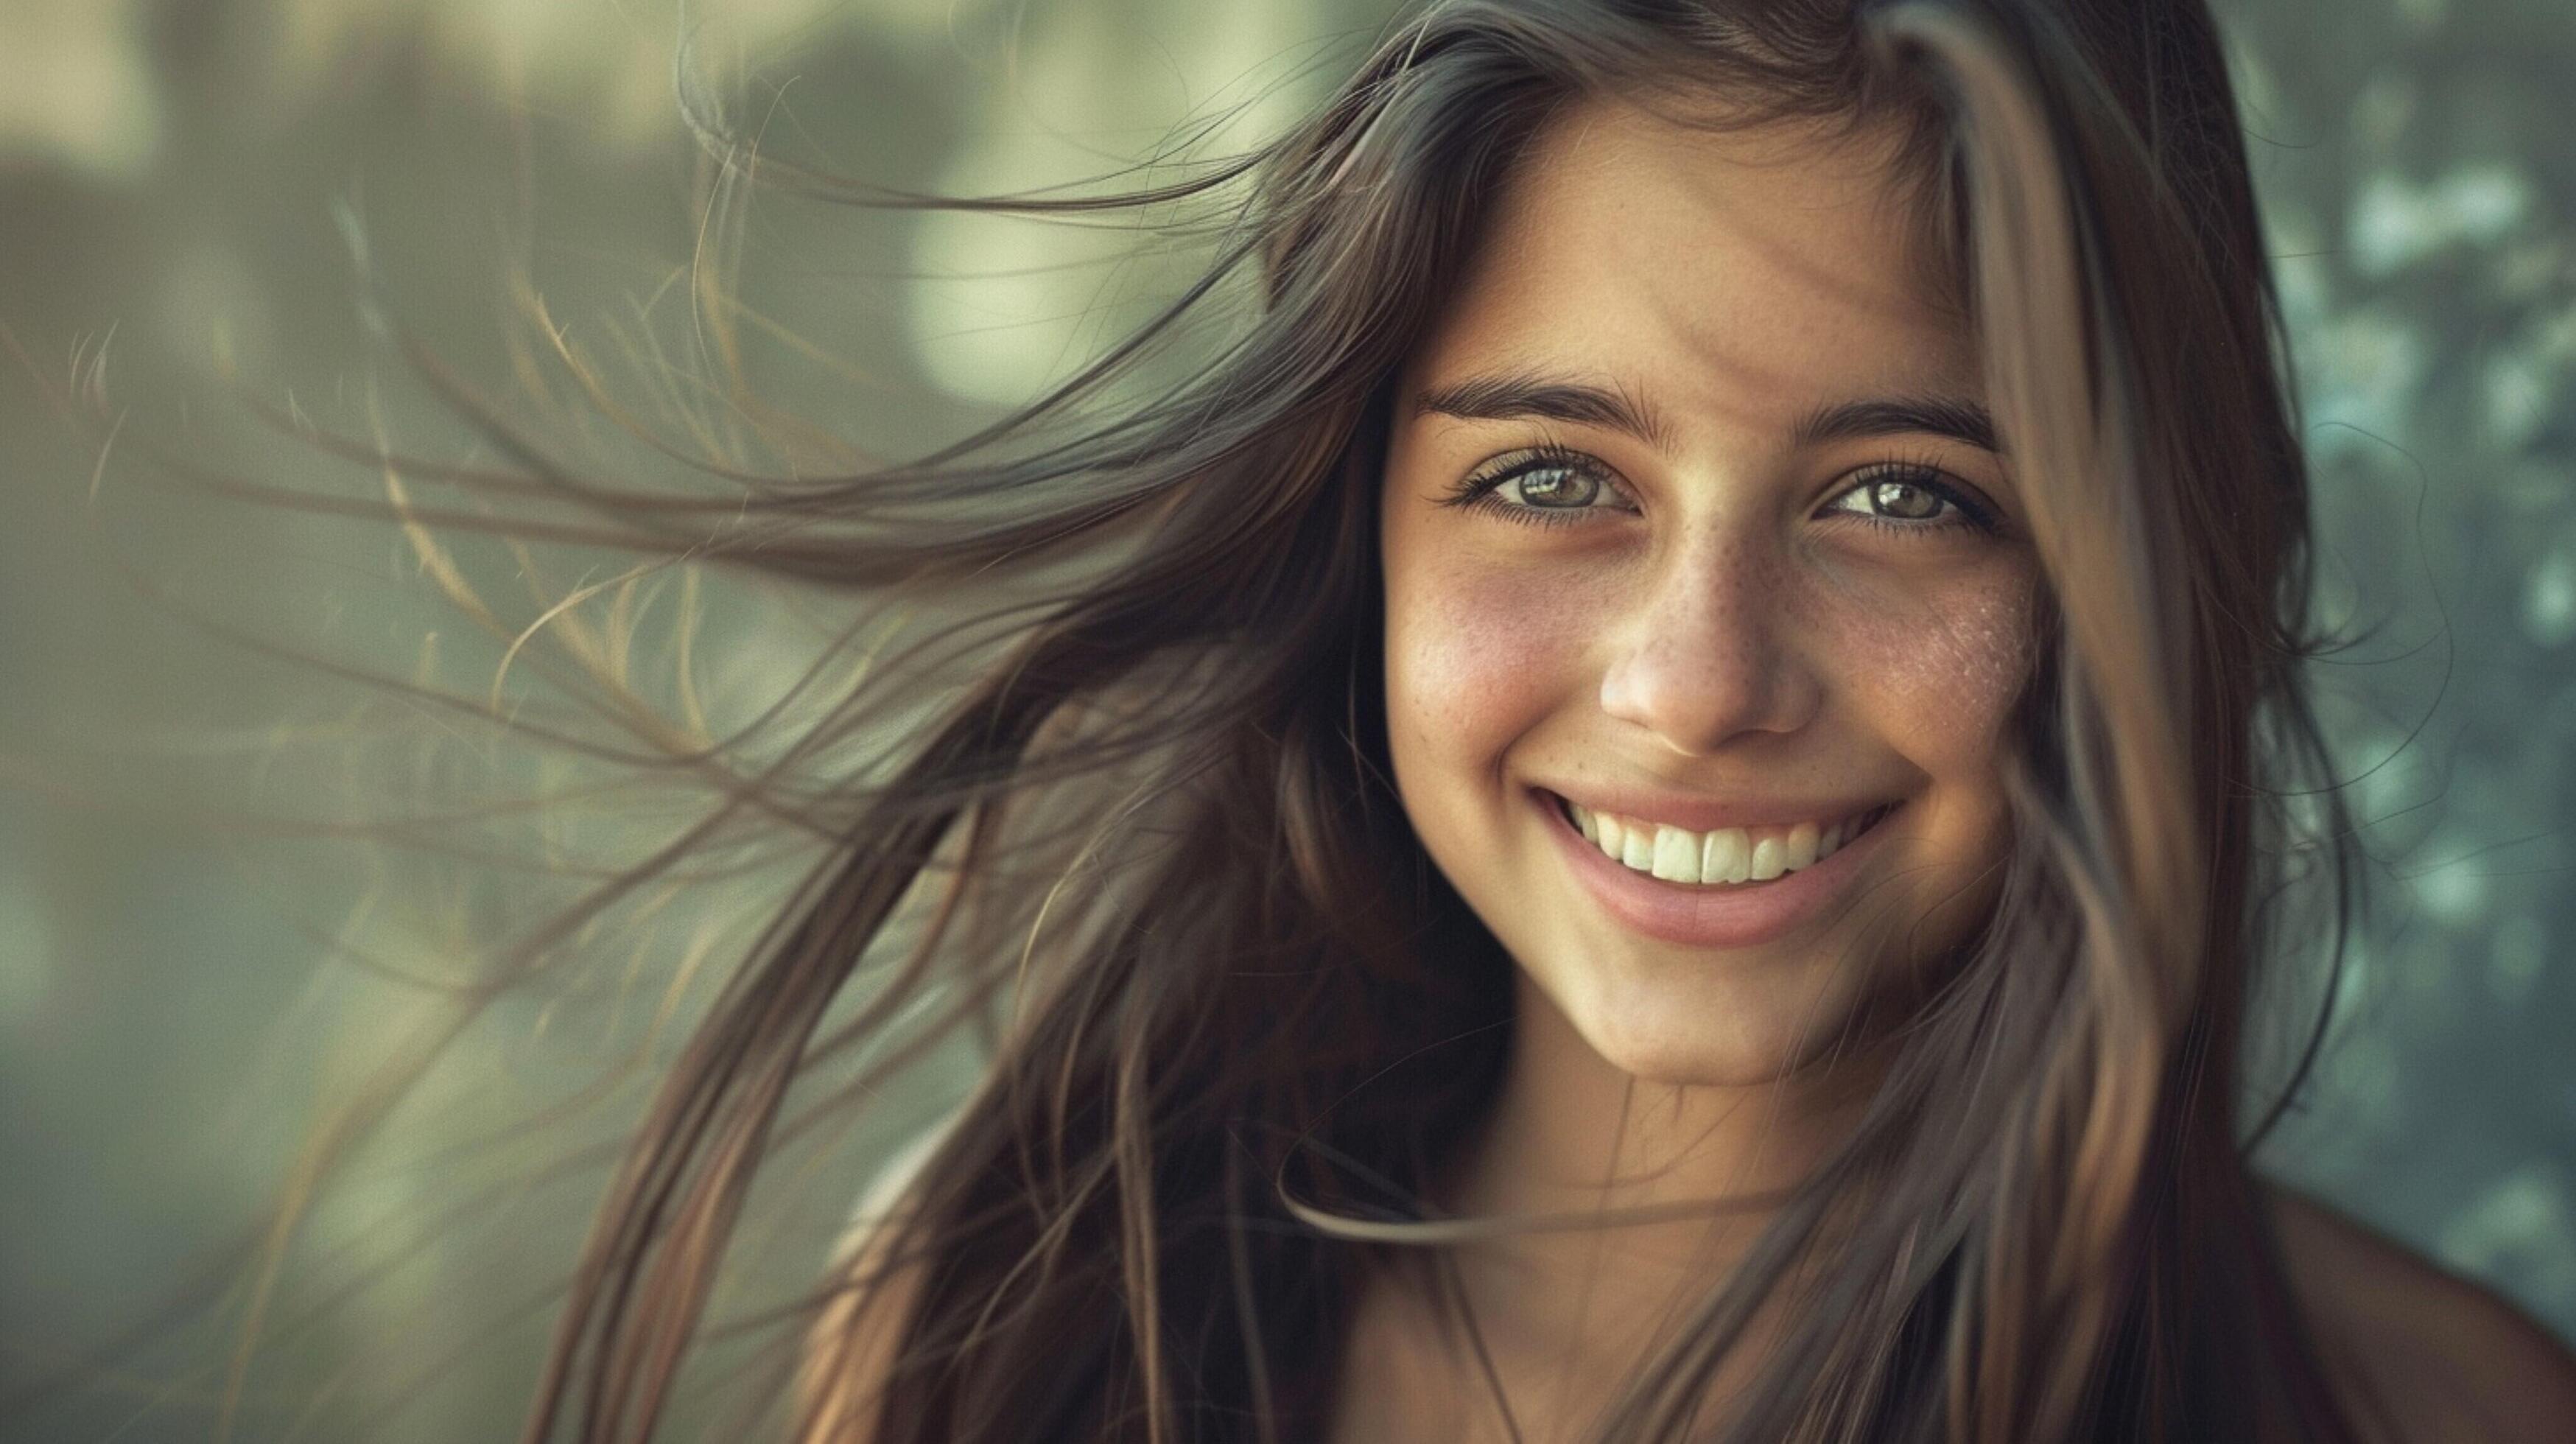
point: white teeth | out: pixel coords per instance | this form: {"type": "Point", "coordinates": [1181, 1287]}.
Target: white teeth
{"type": "Point", "coordinates": [1768, 858]}
{"type": "Point", "coordinates": [1723, 856]}
{"type": "Point", "coordinates": [1676, 855]}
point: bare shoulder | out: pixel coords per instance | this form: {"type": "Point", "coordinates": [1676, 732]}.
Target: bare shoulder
{"type": "Point", "coordinates": [2420, 1353]}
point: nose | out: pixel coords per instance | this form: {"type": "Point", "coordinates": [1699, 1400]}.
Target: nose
{"type": "Point", "coordinates": [1709, 650]}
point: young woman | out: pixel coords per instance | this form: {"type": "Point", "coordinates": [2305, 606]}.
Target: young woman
{"type": "Point", "coordinates": [1646, 812]}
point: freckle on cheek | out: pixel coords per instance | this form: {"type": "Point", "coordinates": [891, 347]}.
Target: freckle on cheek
{"type": "Point", "coordinates": [1957, 660]}
{"type": "Point", "coordinates": [1984, 652]}
{"type": "Point", "coordinates": [1475, 642]}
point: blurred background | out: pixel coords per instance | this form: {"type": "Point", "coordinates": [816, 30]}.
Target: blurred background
{"type": "Point", "coordinates": [244, 890]}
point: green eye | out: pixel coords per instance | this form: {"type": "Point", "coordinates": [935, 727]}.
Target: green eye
{"type": "Point", "coordinates": [1548, 486]}
{"type": "Point", "coordinates": [1552, 485]}
{"type": "Point", "coordinates": [1906, 497]}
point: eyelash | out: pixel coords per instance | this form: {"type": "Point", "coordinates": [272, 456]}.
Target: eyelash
{"type": "Point", "coordinates": [1476, 491]}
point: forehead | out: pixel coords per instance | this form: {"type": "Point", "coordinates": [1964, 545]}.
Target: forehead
{"type": "Point", "coordinates": [1735, 275]}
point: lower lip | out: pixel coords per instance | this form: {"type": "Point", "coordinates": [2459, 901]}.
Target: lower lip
{"type": "Point", "coordinates": [1734, 915]}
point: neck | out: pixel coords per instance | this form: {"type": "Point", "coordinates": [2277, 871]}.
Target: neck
{"type": "Point", "coordinates": [1572, 1135]}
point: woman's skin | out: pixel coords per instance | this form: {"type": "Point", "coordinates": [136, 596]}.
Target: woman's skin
{"type": "Point", "coordinates": [1719, 612]}
{"type": "Point", "coordinates": [1681, 610]}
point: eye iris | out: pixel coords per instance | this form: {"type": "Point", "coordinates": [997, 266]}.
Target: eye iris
{"type": "Point", "coordinates": [1555, 486]}
{"type": "Point", "coordinates": [1905, 499]}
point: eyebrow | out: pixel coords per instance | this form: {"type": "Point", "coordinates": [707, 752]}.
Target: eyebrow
{"type": "Point", "coordinates": [1519, 396]}
{"type": "Point", "coordinates": [1950, 416]}
{"type": "Point", "coordinates": [1522, 396]}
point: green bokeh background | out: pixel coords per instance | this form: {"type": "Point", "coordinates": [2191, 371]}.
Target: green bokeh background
{"type": "Point", "coordinates": [195, 966]}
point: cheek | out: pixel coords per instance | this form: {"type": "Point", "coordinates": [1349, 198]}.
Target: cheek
{"type": "Point", "coordinates": [1941, 667]}
{"type": "Point", "coordinates": [1937, 674]}
{"type": "Point", "coordinates": [1478, 653]}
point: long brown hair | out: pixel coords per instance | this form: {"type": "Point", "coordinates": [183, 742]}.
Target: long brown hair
{"type": "Point", "coordinates": [1147, 853]}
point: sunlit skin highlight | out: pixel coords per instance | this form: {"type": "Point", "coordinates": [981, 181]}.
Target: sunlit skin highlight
{"type": "Point", "coordinates": [1680, 590]}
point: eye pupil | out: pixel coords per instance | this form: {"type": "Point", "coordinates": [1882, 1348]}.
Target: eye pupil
{"type": "Point", "coordinates": [1556, 486]}
{"type": "Point", "coordinates": [1905, 499]}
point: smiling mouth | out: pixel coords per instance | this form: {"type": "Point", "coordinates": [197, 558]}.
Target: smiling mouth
{"type": "Point", "coordinates": [1724, 858]}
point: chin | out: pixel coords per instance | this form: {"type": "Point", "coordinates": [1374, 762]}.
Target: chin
{"type": "Point", "coordinates": [1682, 1023]}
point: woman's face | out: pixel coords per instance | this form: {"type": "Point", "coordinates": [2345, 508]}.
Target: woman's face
{"type": "Point", "coordinates": [1698, 551]}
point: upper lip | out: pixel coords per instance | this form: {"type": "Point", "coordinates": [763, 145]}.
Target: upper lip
{"type": "Point", "coordinates": [1695, 813]}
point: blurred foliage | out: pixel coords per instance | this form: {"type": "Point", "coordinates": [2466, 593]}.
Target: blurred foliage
{"type": "Point", "coordinates": [211, 204]}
